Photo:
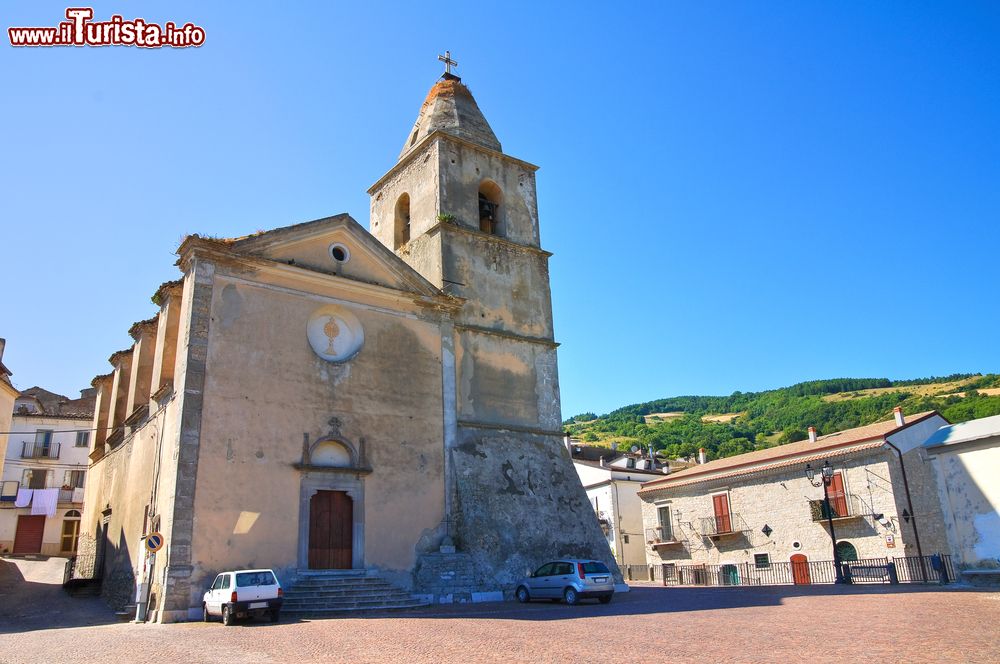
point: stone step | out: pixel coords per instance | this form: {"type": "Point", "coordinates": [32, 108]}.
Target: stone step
{"type": "Point", "coordinates": [332, 591]}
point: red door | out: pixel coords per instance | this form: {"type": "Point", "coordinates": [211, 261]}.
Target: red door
{"type": "Point", "coordinates": [723, 524]}
{"type": "Point", "coordinates": [838, 499]}
{"type": "Point", "coordinates": [331, 527]}
{"type": "Point", "coordinates": [800, 570]}
{"type": "Point", "coordinates": [28, 536]}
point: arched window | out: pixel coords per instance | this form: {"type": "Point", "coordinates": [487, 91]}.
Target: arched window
{"type": "Point", "coordinates": [846, 551]}
{"type": "Point", "coordinates": [73, 514]}
{"type": "Point", "coordinates": [490, 199]}
{"type": "Point", "coordinates": [402, 217]}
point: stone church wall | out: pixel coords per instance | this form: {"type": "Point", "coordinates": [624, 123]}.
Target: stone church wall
{"type": "Point", "coordinates": [386, 401]}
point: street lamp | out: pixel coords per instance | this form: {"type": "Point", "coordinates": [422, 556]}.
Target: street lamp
{"type": "Point", "coordinates": [825, 478]}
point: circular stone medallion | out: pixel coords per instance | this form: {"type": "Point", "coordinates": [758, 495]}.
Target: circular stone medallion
{"type": "Point", "coordinates": [334, 333]}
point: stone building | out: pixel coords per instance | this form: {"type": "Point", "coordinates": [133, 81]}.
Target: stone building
{"type": "Point", "coordinates": [751, 510]}
{"type": "Point", "coordinates": [320, 396]}
{"type": "Point", "coordinates": [44, 472]}
{"type": "Point", "coordinates": [612, 481]}
{"type": "Point", "coordinates": [966, 460]}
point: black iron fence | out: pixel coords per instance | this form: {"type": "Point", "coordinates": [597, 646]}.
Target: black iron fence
{"type": "Point", "coordinates": [910, 569]}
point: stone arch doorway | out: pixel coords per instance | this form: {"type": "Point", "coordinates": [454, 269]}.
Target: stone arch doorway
{"type": "Point", "coordinates": [331, 507]}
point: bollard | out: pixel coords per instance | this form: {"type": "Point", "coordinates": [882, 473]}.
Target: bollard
{"type": "Point", "coordinates": [893, 575]}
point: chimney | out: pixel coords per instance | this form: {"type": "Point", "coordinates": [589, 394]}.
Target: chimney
{"type": "Point", "coordinates": [898, 412]}
{"type": "Point", "coordinates": [3, 344]}
{"type": "Point", "coordinates": [569, 446]}
{"type": "Point", "coordinates": [88, 392]}
{"type": "Point", "coordinates": [701, 455]}
{"type": "Point", "coordinates": [812, 434]}
{"type": "Point", "coordinates": [602, 462]}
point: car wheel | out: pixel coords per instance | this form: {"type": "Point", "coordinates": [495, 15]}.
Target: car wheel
{"type": "Point", "coordinates": [275, 615]}
{"type": "Point", "coordinates": [605, 599]}
{"type": "Point", "coordinates": [571, 596]}
{"type": "Point", "coordinates": [227, 616]}
{"type": "Point", "coordinates": [204, 613]}
{"type": "Point", "coordinates": [522, 595]}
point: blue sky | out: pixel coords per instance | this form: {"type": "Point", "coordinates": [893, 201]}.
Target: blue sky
{"type": "Point", "coordinates": [739, 196]}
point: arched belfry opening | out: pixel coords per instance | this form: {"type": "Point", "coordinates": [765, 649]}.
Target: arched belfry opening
{"type": "Point", "coordinates": [490, 207]}
{"type": "Point", "coordinates": [402, 221]}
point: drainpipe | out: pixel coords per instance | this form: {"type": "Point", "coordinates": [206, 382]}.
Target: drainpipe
{"type": "Point", "coordinates": [909, 504]}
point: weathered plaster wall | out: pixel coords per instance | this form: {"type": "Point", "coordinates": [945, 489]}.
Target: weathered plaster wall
{"type": "Point", "coordinates": [418, 178]}
{"type": "Point", "coordinates": [507, 286]}
{"type": "Point", "coordinates": [970, 494]}
{"type": "Point", "coordinates": [388, 398]}
{"type": "Point", "coordinates": [506, 381]}
{"type": "Point", "coordinates": [463, 168]}
{"type": "Point", "coordinates": [779, 498]}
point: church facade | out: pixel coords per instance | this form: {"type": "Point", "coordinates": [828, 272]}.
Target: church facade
{"type": "Point", "coordinates": [322, 396]}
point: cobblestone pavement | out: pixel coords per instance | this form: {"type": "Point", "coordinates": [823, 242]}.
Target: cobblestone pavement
{"type": "Point", "coordinates": [780, 624]}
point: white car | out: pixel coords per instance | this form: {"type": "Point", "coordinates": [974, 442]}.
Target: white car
{"type": "Point", "coordinates": [243, 593]}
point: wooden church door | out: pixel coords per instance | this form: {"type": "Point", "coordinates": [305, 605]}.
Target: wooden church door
{"type": "Point", "coordinates": [331, 527]}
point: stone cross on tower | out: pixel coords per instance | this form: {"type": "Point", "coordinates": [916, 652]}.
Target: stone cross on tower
{"type": "Point", "coordinates": [448, 62]}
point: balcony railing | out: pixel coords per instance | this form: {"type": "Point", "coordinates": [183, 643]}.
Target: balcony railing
{"type": "Point", "coordinates": [842, 506]}
{"type": "Point", "coordinates": [663, 536]}
{"type": "Point", "coordinates": [723, 525]}
{"type": "Point", "coordinates": [34, 450]}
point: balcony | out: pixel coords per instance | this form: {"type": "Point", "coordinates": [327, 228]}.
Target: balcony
{"type": "Point", "coordinates": [723, 525]}
{"type": "Point", "coordinates": [842, 506]}
{"type": "Point", "coordinates": [663, 536]}
{"type": "Point", "coordinates": [33, 450]}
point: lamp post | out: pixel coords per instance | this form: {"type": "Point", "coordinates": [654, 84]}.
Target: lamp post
{"type": "Point", "coordinates": [825, 478]}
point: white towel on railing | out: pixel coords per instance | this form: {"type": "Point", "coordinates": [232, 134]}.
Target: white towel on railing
{"type": "Point", "coordinates": [44, 501]}
{"type": "Point", "coordinates": [23, 498]}
{"type": "Point", "coordinates": [77, 495]}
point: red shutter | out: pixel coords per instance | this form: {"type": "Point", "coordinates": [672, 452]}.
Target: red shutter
{"type": "Point", "coordinates": [838, 499]}
{"type": "Point", "coordinates": [28, 537]}
{"type": "Point", "coordinates": [723, 524]}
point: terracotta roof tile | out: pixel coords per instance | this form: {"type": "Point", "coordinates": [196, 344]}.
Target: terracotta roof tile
{"type": "Point", "coordinates": [772, 457]}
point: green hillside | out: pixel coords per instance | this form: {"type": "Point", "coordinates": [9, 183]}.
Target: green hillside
{"type": "Point", "coordinates": [745, 421]}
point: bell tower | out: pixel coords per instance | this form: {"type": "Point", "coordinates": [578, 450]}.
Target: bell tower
{"type": "Point", "coordinates": [464, 214]}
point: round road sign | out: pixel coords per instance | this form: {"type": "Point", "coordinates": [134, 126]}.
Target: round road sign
{"type": "Point", "coordinates": [154, 542]}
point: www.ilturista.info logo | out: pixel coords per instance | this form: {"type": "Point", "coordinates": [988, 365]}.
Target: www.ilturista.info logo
{"type": "Point", "coordinates": [80, 30]}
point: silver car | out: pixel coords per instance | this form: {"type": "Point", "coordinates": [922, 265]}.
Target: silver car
{"type": "Point", "coordinates": [570, 580]}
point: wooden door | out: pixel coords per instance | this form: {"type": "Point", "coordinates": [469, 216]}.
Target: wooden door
{"type": "Point", "coordinates": [28, 536]}
{"type": "Point", "coordinates": [800, 570]}
{"type": "Point", "coordinates": [331, 528]}
{"type": "Point", "coordinates": [723, 523]}
{"type": "Point", "coordinates": [838, 499]}
{"type": "Point", "coordinates": [70, 533]}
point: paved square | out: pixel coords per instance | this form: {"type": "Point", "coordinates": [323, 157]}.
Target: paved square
{"type": "Point", "coordinates": [39, 623]}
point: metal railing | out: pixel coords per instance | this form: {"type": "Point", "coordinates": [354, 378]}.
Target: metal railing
{"type": "Point", "coordinates": [663, 535]}
{"type": "Point", "coordinates": [936, 569]}
{"type": "Point", "coordinates": [723, 524]}
{"type": "Point", "coordinates": [842, 505]}
{"type": "Point", "coordinates": [31, 449]}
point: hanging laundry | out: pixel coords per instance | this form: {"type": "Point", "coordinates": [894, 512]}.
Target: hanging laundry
{"type": "Point", "coordinates": [44, 501]}
{"type": "Point", "coordinates": [23, 498]}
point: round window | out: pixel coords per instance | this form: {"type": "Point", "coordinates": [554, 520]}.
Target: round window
{"type": "Point", "coordinates": [340, 253]}
{"type": "Point", "coordinates": [796, 545]}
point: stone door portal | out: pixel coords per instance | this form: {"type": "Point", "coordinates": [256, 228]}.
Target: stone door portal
{"type": "Point", "coordinates": [331, 527]}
